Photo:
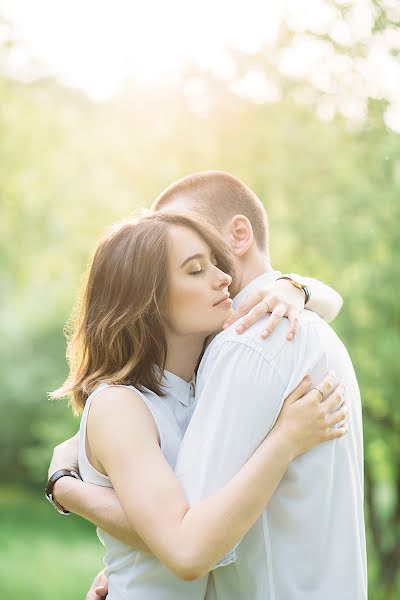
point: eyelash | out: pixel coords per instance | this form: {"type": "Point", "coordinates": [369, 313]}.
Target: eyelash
{"type": "Point", "coordinates": [201, 270]}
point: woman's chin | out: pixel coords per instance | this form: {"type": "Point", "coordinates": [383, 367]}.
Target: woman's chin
{"type": "Point", "coordinates": [225, 315]}
{"type": "Point", "coordinates": [228, 312]}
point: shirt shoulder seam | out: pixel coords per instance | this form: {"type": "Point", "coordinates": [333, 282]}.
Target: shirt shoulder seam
{"type": "Point", "coordinates": [251, 347]}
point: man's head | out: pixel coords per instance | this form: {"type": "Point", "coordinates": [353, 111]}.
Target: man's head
{"type": "Point", "coordinates": [232, 207]}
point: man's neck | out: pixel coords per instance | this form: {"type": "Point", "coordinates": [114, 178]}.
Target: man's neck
{"type": "Point", "coordinates": [248, 270]}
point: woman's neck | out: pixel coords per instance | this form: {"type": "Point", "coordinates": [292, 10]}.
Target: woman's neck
{"type": "Point", "coordinates": [183, 353]}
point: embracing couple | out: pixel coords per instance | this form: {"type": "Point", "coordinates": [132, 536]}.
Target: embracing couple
{"type": "Point", "coordinates": [220, 458]}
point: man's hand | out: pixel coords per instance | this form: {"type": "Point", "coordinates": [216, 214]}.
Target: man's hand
{"type": "Point", "coordinates": [99, 588]}
{"type": "Point", "coordinates": [65, 455]}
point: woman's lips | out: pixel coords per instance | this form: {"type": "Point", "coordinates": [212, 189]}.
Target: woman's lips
{"type": "Point", "coordinates": [223, 301]}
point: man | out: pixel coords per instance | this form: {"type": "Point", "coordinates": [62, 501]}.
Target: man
{"type": "Point", "coordinates": [310, 541]}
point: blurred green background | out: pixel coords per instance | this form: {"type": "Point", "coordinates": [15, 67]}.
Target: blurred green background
{"type": "Point", "coordinates": [324, 158]}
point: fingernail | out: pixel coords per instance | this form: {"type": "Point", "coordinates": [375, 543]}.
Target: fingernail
{"type": "Point", "coordinates": [290, 337]}
{"type": "Point", "coordinates": [225, 325]}
{"type": "Point", "coordinates": [307, 378]}
{"type": "Point", "coordinates": [240, 329]}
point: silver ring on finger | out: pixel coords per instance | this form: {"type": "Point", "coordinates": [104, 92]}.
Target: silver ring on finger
{"type": "Point", "coordinates": [322, 395]}
{"type": "Point", "coordinates": [265, 302]}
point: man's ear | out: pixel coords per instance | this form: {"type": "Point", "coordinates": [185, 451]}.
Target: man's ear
{"type": "Point", "coordinates": [240, 234]}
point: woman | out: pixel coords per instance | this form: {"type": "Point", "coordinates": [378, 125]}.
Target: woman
{"type": "Point", "coordinates": [157, 288]}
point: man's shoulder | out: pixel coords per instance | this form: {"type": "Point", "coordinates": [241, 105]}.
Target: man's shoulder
{"type": "Point", "coordinates": [250, 339]}
{"type": "Point", "coordinates": [269, 347]}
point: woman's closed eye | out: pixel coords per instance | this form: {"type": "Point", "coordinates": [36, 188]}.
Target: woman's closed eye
{"type": "Point", "coordinates": [196, 272]}
{"type": "Point", "coordinates": [199, 269]}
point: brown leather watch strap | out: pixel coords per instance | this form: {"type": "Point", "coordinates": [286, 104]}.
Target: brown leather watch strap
{"type": "Point", "coordinates": [50, 486]}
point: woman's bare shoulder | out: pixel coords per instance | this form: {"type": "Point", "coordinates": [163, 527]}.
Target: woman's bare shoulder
{"type": "Point", "coordinates": [121, 405]}
{"type": "Point", "coordinates": [117, 393]}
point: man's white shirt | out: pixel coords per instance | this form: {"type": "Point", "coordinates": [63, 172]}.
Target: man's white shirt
{"type": "Point", "coordinates": [309, 542]}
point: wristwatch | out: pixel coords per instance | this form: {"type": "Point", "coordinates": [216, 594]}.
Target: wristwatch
{"type": "Point", "coordinates": [50, 485]}
{"type": "Point", "coordinates": [299, 285]}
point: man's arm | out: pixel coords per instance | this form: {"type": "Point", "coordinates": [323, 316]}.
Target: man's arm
{"type": "Point", "coordinates": [324, 300]}
{"type": "Point", "coordinates": [100, 506]}
{"type": "Point", "coordinates": [97, 504]}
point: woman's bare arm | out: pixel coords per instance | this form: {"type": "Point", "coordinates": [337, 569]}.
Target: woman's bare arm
{"type": "Point", "coordinates": [190, 541]}
{"type": "Point", "coordinates": [95, 503]}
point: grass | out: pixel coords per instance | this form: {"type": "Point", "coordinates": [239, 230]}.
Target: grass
{"type": "Point", "coordinates": [44, 556]}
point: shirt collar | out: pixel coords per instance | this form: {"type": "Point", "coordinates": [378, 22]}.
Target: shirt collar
{"type": "Point", "coordinates": [261, 281]}
{"type": "Point", "coordinates": [178, 388]}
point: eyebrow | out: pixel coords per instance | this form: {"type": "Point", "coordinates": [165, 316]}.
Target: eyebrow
{"type": "Point", "coordinates": [194, 257]}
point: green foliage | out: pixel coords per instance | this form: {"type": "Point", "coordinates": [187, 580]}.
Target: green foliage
{"type": "Point", "coordinates": [68, 168]}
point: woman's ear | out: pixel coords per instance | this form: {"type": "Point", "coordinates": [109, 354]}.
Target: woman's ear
{"type": "Point", "coordinates": [240, 234]}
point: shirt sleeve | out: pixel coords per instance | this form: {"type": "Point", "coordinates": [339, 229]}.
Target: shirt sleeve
{"type": "Point", "coordinates": [237, 407]}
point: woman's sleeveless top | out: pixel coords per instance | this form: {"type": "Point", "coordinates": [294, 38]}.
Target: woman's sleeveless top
{"type": "Point", "coordinates": [134, 574]}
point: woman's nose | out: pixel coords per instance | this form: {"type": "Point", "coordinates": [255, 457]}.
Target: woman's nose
{"type": "Point", "coordinates": [225, 279]}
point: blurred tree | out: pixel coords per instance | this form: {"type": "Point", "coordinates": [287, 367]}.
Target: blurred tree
{"type": "Point", "coordinates": [69, 167]}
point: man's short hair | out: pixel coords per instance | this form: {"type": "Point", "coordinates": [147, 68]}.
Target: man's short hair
{"type": "Point", "coordinates": [218, 196]}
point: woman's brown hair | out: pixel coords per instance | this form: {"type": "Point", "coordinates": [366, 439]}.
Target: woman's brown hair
{"type": "Point", "coordinates": [117, 333]}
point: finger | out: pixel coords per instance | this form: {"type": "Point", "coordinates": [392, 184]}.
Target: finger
{"type": "Point", "coordinates": [334, 400]}
{"type": "Point", "coordinates": [293, 316]}
{"type": "Point", "coordinates": [244, 307]}
{"type": "Point", "coordinates": [300, 390]}
{"type": "Point", "coordinates": [277, 315]}
{"type": "Point", "coordinates": [325, 386]}
{"type": "Point", "coordinates": [338, 416]}
{"type": "Point", "coordinates": [254, 315]}
{"type": "Point", "coordinates": [102, 587]}
{"type": "Point", "coordinates": [334, 434]}
{"type": "Point", "coordinates": [100, 590]}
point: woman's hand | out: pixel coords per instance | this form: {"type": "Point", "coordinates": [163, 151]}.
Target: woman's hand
{"type": "Point", "coordinates": [282, 300]}
{"type": "Point", "coordinates": [309, 417]}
